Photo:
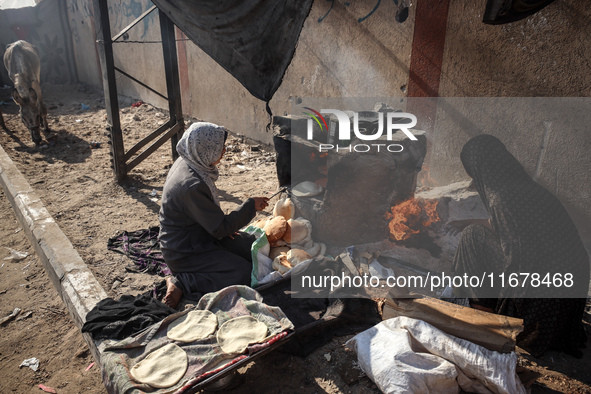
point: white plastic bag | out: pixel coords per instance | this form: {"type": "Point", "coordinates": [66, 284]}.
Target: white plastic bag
{"type": "Point", "coordinates": [274, 276]}
{"type": "Point", "coordinates": [261, 263]}
{"type": "Point", "coordinates": [404, 355]}
{"type": "Point", "coordinates": [262, 266]}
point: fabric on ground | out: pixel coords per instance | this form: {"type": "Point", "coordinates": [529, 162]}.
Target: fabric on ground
{"type": "Point", "coordinates": [253, 40]}
{"type": "Point", "coordinates": [143, 248]}
{"type": "Point", "coordinates": [404, 355]}
{"type": "Point", "coordinates": [124, 317]}
{"type": "Point", "coordinates": [203, 354]}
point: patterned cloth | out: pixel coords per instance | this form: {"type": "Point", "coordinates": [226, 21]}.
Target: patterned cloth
{"type": "Point", "coordinates": [204, 355]}
{"type": "Point", "coordinates": [201, 146]}
{"type": "Point", "coordinates": [533, 233]}
{"type": "Point", "coordinates": [143, 248]}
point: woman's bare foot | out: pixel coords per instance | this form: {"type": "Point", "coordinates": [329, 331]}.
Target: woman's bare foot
{"type": "Point", "coordinates": [173, 294]}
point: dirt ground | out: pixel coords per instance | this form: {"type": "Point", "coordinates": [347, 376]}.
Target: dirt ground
{"type": "Point", "coordinates": [76, 184]}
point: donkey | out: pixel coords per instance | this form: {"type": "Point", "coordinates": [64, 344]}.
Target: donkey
{"type": "Point", "coordinates": [24, 68]}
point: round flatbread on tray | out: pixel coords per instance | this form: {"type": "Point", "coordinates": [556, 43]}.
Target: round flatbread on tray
{"type": "Point", "coordinates": [162, 368]}
{"type": "Point", "coordinates": [192, 326]}
{"type": "Point", "coordinates": [236, 334]}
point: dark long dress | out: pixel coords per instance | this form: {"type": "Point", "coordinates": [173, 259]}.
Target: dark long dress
{"type": "Point", "coordinates": [194, 235]}
{"type": "Point", "coordinates": [532, 233]}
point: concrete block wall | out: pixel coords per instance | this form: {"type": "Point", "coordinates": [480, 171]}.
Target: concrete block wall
{"type": "Point", "coordinates": [80, 13]}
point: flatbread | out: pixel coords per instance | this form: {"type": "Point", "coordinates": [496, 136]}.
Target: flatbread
{"type": "Point", "coordinates": [192, 326]}
{"type": "Point", "coordinates": [306, 189]}
{"type": "Point", "coordinates": [236, 334]}
{"type": "Point", "coordinates": [162, 368]}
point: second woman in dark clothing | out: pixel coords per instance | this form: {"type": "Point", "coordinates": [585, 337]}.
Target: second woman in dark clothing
{"type": "Point", "coordinates": [530, 236]}
{"type": "Point", "coordinates": [200, 243]}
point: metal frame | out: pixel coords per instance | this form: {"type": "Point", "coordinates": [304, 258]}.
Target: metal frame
{"type": "Point", "coordinates": [122, 162]}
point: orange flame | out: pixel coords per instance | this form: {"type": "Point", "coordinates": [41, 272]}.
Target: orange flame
{"type": "Point", "coordinates": [313, 156]}
{"type": "Point", "coordinates": [411, 216]}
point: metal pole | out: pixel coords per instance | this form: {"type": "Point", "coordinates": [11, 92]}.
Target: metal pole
{"type": "Point", "coordinates": [103, 38]}
{"type": "Point", "coordinates": [171, 68]}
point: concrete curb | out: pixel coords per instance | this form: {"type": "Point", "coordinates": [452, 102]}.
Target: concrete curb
{"type": "Point", "coordinates": [70, 276]}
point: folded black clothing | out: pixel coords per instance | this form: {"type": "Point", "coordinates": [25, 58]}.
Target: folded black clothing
{"type": "Point", "coordinates": [118, 319]}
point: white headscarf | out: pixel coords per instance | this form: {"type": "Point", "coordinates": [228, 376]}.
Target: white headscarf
{"type": "Point", "coordinates": [201, 146]}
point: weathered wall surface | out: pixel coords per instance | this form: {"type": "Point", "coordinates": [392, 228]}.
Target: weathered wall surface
{"type": "Point", "coordinates": [138, 53]}
{"type": "Point", "coordinates": [549, 136]}
{"type": "Point", "coordinates": [46, 27]}
{"type": "Point", "coordinates": [337, 56]}
{"type": "Point", "coordinates": [80, 14]}
{"type": "Point", "coordinates": [546, 55]}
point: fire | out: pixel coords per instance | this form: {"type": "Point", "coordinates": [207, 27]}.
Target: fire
{"type": "Point", "coordinates": [313, 156]}
{"type": "Point", "coordinates": [411, 216]}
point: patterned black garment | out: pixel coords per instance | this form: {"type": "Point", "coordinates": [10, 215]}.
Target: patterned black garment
{"type": "Point", "coordinates": [118, 319]}
{"type": "Point", "coordinates": [532, 233]}
{"type": "Point", "coordinates": [143, 248]}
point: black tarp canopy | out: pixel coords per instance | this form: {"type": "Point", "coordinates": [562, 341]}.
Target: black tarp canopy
{"type": "Point", "coordinates": [254, 40]}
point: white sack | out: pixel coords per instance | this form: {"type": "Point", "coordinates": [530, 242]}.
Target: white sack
{"type": "Point", "coordinates": [404, 355]}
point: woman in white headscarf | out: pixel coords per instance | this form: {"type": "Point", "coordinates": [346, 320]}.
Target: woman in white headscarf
{"type": "Point", "coordinates": [199, 242]}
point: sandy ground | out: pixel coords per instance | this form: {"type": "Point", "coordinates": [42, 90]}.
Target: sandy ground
{"type": "Point", "coordinates": [77, 186]}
